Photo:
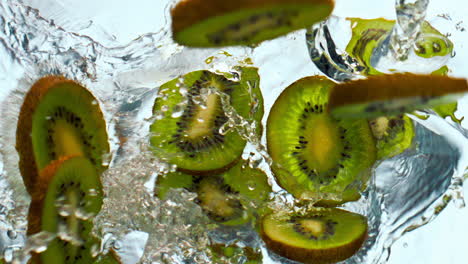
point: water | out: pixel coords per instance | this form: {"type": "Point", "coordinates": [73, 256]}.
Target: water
{"type": "Point", "coordinates": [123, 62]}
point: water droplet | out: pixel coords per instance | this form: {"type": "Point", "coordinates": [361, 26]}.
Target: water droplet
{"type": "Point", "coordinates": [178, 110]}
{"type": "Point", "coordinates": [117, 245]}
{"type": "Point", "coordinates": [94, 102]}
{"type": "Point", "coordinates": [12, 234]}
{"type": "Point", "coordinates": [93, 192]}
{"type": "Point", "coordinates": [405, 245]}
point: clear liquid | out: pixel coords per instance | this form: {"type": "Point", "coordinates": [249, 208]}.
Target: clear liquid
{"type": "Point", "coordinates": [125, 76]}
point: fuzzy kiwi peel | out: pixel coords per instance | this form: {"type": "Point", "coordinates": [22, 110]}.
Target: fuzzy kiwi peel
{"type": "Point", "coordinates": [59, 117]}
{"type": "Point", "coordinates": [192, 140]}
{"type": "Point", "coordinates": [317, 157]}
{"type": "Point", "coordinates": [368, 33]}
{"type": "Point", "coordinates": [321, 235]}
{"type": "Point", "coordinates": [75, 182]}
{"type": "Point", "coordinates": [210, 23]}
{"type": "Point", "coordinates": [393, 94]}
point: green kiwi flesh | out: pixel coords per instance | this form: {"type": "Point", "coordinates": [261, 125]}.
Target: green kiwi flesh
{"type": "Point", "coordinates": [59, 117]}
{"type": "Point", "coordinates": [393, 94]}
{"type": "Point", "coordinates": [319, 236]}
{"type": "Point", "coordinates": [244, 22]}
{"type": "Point", "coordinates": [393, 134]}
{"type": "Point", "coordinates": [193, 140]}
{"type": "Point", "coordinates": [368, 33]}
{"type": "Point", "coordinates": [73, 184]}
{"type": "Point", "coordinates": [317, 157]}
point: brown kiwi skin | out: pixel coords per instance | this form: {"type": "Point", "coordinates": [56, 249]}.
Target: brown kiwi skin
{"type": "Point", "coordinates": [328, 256]}
{"type": "Point", "coordinates": [24, 146]}
{"type": "Point", "coordinates": [183, 14]}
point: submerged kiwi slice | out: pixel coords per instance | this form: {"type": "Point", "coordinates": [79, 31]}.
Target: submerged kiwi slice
{"type": "Point", "coordinates": [194, 113]}
{"type": "Point", "coordinates": [223, 197]}
{"type": "Point", "coordinates": [368, 33]}
{"type": "Point", "coordinates": [222, 253]}
{"type": "Point", "coordinates": [59, 117]}
{"type": "Point", "coordinates": [393, 134]}
{"type": "Point", "coordinates": [220, 202]}
{"type": "Point", "coordinates": [207, 23]}
{"type": "Point", "coordinates": [316, 156]}
{"type": "Point", "coordinates": [393, 94]}
{"type": "Point", "coordinates": [66, 200]}
{"type": "Point", "coordinates": [318, 236]}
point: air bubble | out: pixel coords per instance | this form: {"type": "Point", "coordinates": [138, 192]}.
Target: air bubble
{"type": "Point", "coordinates": [178, 110]}
{"type": "Point", "coordinates": [12, 234]}
{"type": "Point", "coordinates": [93, 192]}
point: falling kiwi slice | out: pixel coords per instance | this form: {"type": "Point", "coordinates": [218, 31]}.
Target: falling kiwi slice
{"type": "Point", "coordinates": [393, 134]}
{"type": "Point", "coordinates": [59, 117]}
{"type": "Point", "coordinates": [318, 236]}
{"type": "Point", "coordinates": [65, 201]}
{"type": "Point", "coordinates": [194, 109]}
{"type": "Point", "coordinates": [393, 94]}
{"type": "Point", "coordinates": [220, 202]}
{"type": "Point", "coordinates": [367, 34]}
{"type": "Point", "coordinates": [208, 23]}
{"type": "Point", "coordinates": [223, 197]}
{"type": "Point", "coordinates": [318, 157]}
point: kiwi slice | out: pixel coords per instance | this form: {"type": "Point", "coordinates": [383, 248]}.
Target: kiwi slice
{"type": "Point", "coordinates": [222, 196]}
{"type": "Point", "coordinates": [393, 134]}
{"type": "Point", "coordinates": [318, 236]}
{"type": "Point", "coordinates": [220, 202]}
{"type": "Point", "coordinates": [189, 135]}
{"type": "Point", "coordinates": [316, 156]}
{"type": "Point", "coordinates": [69, 195]}
{"type": "Point", "coordinates": [393, 94]}
{"type": "Point", "coordinates": [208, 23]}
{"type": "Point", "coordinates": [368, 33]}
{"type": "Point", "coordinates": [59, 117]}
